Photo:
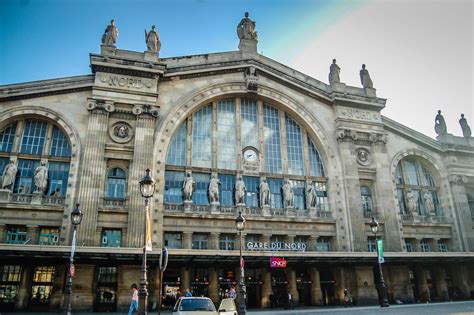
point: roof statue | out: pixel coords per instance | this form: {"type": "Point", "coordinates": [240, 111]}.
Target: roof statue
{"type": "Point", "coordinates": [110, 34]}
{"type": "Point", "coordinates": [152, 39]}
{"type": "Point", "coordinates": [440, 125]}
{"type": "Point", "coordinates": [365, 78]}
{"type": "Point", "coordinates": [334, 71]}
{"type": "Point", "coordinates": [466, 130]}
{"type": "Point", "coordinates": [246, 28]}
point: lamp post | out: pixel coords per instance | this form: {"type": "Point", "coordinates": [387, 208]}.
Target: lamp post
{"type": "Point", "coordinates": [76, 218]}
{"type": "Point", "coordinates": [147, 189]}
{"type": "Point", "coordinates": [383, 299]}
{"type": "Point", "coordinates": [240, 225]}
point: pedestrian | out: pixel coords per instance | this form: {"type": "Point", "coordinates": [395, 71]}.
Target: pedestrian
{"type": "Point", "coordinates": [188, 293]}
{"type": "Point", "coordinates": [134, 302]}
{"type": "Point", "coordinates": [290, 301]}
{"type": "Point", "coordinates": [347, 298]}
{"type": "Point", "coordinates": [232, 294]}
{"type": "Point", "coordinates": [272, 300]}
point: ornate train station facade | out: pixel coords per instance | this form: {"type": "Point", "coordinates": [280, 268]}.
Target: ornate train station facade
{"type": "Point", "coordinates": [307, 163]}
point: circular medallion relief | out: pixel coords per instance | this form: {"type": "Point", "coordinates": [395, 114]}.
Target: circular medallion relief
{"type": "Point", "coordinates": [121, 132]}
{"type": "Point", "coordinates": [363, 157]}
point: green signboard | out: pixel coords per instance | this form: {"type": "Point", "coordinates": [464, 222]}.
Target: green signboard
{"type": "Point", "coordinates": [380, 251]}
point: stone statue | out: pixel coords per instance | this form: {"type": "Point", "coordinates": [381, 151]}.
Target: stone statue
{"type": "Point", "coordinates": [440, 125]}
{"type": "Point", "coordinates": [110, 35]}
{"type": "Point", "coordinates": [334, 71]}
{"type": "Point", "coordinates": [287, 194]}
{"type": "Point", "coordinates": [189, 186]}
{"type": "Point", "coordinates": [411, 203]}
{"type": "Point", "coordinates": [214, 189]}
{"type": "Point", "coordinates": [246, 28]}
{"type": "Point", "coordinates": [121, 131]}
{"type": "Point", "coordinates": [264, 193]}
{"type": "Point", "coordinates": [466, 130]}
{"type": "Point", "coordinates": [365, 78]}
{"type": "Point", "coordinates": [9, 175]}
{"type": "Point", "coordinates": [311, 195]}
{"type": "Point", "coordinates": [152, 39]}
{"type": "Point", "coordinates": [41, 177]}
{"type": "Point", "coordinates": [240, 190]}
{"type": "Point", "coordinates": [429, 205]}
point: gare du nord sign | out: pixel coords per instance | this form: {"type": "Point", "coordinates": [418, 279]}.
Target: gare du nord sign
{"type": "Point", "coordinates": [276, 246]}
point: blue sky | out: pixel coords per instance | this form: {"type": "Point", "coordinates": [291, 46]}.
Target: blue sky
{"type": "Point", "coordinates": [419, 52]}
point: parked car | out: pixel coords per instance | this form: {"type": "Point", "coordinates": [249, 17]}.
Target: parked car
{"type": "Point", "coordinates": [203, 306]}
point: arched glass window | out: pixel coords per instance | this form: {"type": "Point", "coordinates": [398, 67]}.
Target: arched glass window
{"type": "Point", "coordinates": [415, 181]}
{"type": "Point", "coordinates": [29, 149]}
{"type": "Point", "coordinates": [271, 124]}
{"type": "Point", "coordinates": [249, 123]}
{"type": "Point", "coordinates": [294, 147]}
{"type": "Point", "coordinates": [202, 137]}
{"type": "Point", "coordinates": [366, 197]}
{"type": "Point", "coordinates": [226, 138]}
{"type": "Point", "coordinates": [316, 168]}
{"type": "Point", "coordinates": [177, 150]}
{"type": "Point", "coordinates": [470, 201]}
{"type": "Point", "coordinates": [116, 180]}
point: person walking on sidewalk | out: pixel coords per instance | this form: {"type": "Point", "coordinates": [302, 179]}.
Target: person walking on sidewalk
{"type": "Point", "coordinates": [134, 302]}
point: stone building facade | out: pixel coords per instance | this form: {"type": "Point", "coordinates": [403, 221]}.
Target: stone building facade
{"type": "Point", "coordinates": [229, 116]}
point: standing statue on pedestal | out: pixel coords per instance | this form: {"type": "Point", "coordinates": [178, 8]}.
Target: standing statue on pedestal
{"type": "Point", "coordinates": [365, 78]}
{"type": "Point", "coordinates": [334, 71]}
{"type": "Point", "coordinates": [466, 130]}
{"type": "Point", "coordinates": [287, 194]}
{"type": "Point", "coordinates": [440, 125]}
{"type": "Point", "coordinates": [246, 28]}
{"type": "Point", "coordinates": [214, 189]}
{"type": "Point", "coordinates": [110, 35]}
{"type": "Point", "coordinates": [311, 195]}
{"type": "Point", "coordinates": [9, 175]}
{"type": "Point", "coordinates": [264, 193]}
{"type": "Point", "coordinates": [152, 39]}
{"type": "Point", "coordinates": [240, 190]}
{"type": "Point", "coordinates": [429, 205]}
{"type": "Point", "coordinates": [412, 204]}
{"type": "Point", "coordinates": [189, 186]}
{"type": "Point", "coordinates": [41, 177]}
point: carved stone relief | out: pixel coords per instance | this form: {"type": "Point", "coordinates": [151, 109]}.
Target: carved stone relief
{"type": "Point", "coordinates": [363, 157]}
{"type": "Point", "coordinates": [121, 132]}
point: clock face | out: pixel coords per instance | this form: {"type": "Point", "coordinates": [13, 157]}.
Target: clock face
{"type": "Point", "coordinates": [250, 155]}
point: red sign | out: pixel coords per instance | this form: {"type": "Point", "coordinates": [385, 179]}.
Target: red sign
{"type": "Point", "coordinates": [72, 270]}
{"type": "Point", "coordinates": [242, 264]}
{"type": "Point", "coordinates": [276, 262]}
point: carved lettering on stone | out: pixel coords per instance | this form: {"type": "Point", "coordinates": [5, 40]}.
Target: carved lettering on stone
{"type": "Point", "coordinates": [125, 81]}
{"type": "Point", "coordinates": [359, 114]}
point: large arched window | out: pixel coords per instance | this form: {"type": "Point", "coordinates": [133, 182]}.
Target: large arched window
{"type": "Point", "coordinates": [27, 142]}
{"type": "Point", "coordinates": [215, 137]}
{"type": "Point", "coordinates": [116, 181]}
{"type": "Point", "coordinates": [414, 181]}
{"type": "Point", "coordinates": [470, 201]}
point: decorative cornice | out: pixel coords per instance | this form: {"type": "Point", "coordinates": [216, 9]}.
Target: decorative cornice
{"type": "Point", "coordinates": [457, 179]}
{"type": "Point", "coordinates": [94, 105]}
{"type": "Point", "coordinates": [152, 111]}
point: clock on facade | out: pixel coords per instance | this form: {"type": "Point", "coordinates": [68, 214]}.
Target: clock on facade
{"type": "Point", "coordinates": [250, 155]}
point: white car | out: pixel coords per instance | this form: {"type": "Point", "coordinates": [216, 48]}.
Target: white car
{"type": "Point", "coordinates": [203, 306]}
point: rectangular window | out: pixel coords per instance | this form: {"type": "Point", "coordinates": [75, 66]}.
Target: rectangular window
{"type": "Point", "coordinates": [226, 137]}
{"type": "Point", "coordinates": [276, 200]}
{"type": "Point", "coordinates": [200, 196]}
{"type": "Point", "coordinates": [49, 236]}
{"type": "Point", "coordinates": [174, 187]}
{"type": "Point", "coordinates": [271, 131]}
{"type": "Point", "coordinates": [249, 123]}
{"type": "Point", "coordinates": [299, 196]}
{"type": "Point", "coordinates": [442, 246]}
{"type": "Point", "coordinates": [322, 203]}
{"type": "Point", "coordinates": [33, 137]}
{"type": "Point", "coordinates": [59, 144]}
{"type": "Point", "coordinates": [24, 178]}
{"type": "Point", "coordinates": [42, 285]}
{"type": "Point", "coordinates": [200, 241]}
{"type": "Point", "coordinates": [57, 177]}
{"type": "Point", "coordinates": [253, 238]}
{"type": "Point", "coordinates": [106, 290]}
{"type": "Point", "coordinates": [425, 246]}
{"type": "Point", "coordinates": [10, 276]}
{"type": "Point", "coordinates": [111, 238]}
{"type": "Point", "coordinates": [173, 240]}
{"type": "Point", "coordinates": [302, 240]}
{"type": "Point", "coordinates": [7, 136]}
{"type": "Point", "coordinates": [202, 135]}
{"type": "Point", "coordinates": [227, 190]}
{"type": "Point", "coordinates": [227, 242]}
{"type": "Point", "coordinates": [294, 147]}
{"type": "Point", "coordinates": [323, 244]}
{"type": "Point", "coordinates": [371, 245]}
{"type": "Point", "coordinates": [16, 235]}
{"type": "Point", "coordinates": [409, 245]}
{"type": "Point", "coordinates": [178, 147]}
{"type": "Point", "coordinates": [252, 197]}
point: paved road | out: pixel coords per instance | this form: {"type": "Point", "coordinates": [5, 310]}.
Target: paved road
{"type": "Point", "coordinates": [451, 308]}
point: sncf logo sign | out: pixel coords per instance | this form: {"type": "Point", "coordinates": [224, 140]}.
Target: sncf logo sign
{"type": "Point", "coordinates": [276, 262]}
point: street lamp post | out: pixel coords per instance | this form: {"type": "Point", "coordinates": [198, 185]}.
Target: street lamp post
{"type": "Point", "coordinates": [240, 225]}
{"type": "Point", "coordinates": [383, 299]}
{"type": "Point", "coordinates": [147, 189]}
{"type": "Point", "coordinates": [76, 218]}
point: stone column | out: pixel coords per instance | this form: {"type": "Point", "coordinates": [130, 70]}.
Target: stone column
{"type": "Point", "coordinates": [459, 274]}
{"type": "Point", "coordinates": [83, 288]}
{"type": "Point", "coordinates": [292, 288]}
{"type": "Point", "coordinates": [57, 297]}
{"type": "Point", "coordinates": [32, 234]}
{"type": "Point", "coordinates": [316, 294]}
{"type": "Point", "coordinates": [23, 296]}
{"type": "Point", "coordinates": [185, 279]}
{"type": "Point", "coordinates": [93, 171]}
{"type": "Point", "coordinates": [340, 284]}
{"type": "Point", "coordinates": [423, 290]}
{"type": "Point", "coordinates": [187, 240]}
{"type": "Point", "coordinates": [462, 215]}
{"type": "Point", "coordinates": [214, 286]}
{"type": "Point", "coordinates": [266, 288]}
{"type": "Point", "coordinates": [434, 245]}
{"type": "Point", "coordinates": [312, 243]}
{"type": "Point", "coordinates": [400, 285]}
{"type": "Point", "coordinates": [142, 159]}
{"type": "Point", "coordinates": [127, 275]}
{"type": "Point", "coordinates": [366, 289]}
{"type": "Point", "coordinates": [214, 240]}
{"type": "Point", "coordinates": [2, 233]}
{"type": "Point", "coordinates": [439, 275]}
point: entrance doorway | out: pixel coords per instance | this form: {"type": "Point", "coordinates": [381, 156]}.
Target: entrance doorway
{"type": "Point", "coordinates": [328, 289]}
{"type": "Point", "coordinates": [279, 288]}
{"type": "Point", "coordinates": [303, 285]}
